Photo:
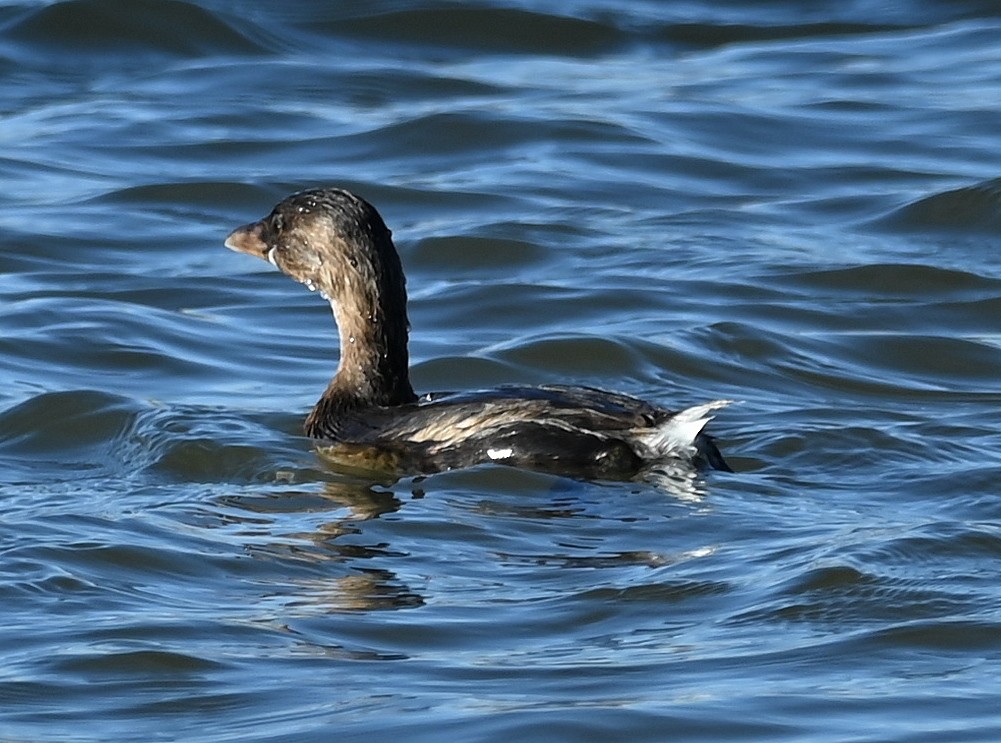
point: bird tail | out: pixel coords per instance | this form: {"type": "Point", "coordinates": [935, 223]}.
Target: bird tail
{"type": "Point", "coordinates": [681, 435]}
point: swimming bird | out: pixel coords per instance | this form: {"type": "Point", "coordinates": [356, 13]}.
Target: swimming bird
{"type": "Point", "coordinates": [336, 243]}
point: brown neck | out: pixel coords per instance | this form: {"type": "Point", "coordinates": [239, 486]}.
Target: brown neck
{"type": "Point", "coordinates": [370, 308]}
{"type": "Point", "coordinates": [374, 364]}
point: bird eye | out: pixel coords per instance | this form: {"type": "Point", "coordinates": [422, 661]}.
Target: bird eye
{"type": "Point", "coordinates": [277, 223]}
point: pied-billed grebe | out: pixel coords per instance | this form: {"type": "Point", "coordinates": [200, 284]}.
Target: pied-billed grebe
{"type": "Point", "coordinates": [336, 243]}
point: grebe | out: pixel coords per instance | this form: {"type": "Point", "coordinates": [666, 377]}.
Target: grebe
{"type": "Point", "coordinates": [337, 244]}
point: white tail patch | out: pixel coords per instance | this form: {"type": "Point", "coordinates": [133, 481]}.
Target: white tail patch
{"type": "Point", "coordinates": [677, 434]}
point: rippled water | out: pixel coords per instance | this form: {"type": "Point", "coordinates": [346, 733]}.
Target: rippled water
{"type": "Point", "coordinates": [795, 205]}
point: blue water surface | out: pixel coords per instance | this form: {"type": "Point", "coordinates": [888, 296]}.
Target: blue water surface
{"type": "Point", "coordinates": [792, 205]}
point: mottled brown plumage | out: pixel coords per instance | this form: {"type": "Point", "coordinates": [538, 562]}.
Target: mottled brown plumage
{"type": "Point", "coordinates": [336, 243]}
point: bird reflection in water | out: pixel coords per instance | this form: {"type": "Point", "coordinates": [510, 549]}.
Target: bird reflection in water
{"type": "Point", "coordinates": [352, 587]}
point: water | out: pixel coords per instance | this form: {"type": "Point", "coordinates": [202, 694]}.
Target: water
{"type": "Point", "coordinates": [794, 205]}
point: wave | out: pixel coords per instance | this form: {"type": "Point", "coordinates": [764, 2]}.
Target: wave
{"type": "Point", "coordinates": [975, 208]}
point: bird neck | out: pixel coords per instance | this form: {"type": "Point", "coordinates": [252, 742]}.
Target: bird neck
{"type": "Point", "coordinates": [369, 303]}
{"type": "Point", "coordinates": [374, 365]}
